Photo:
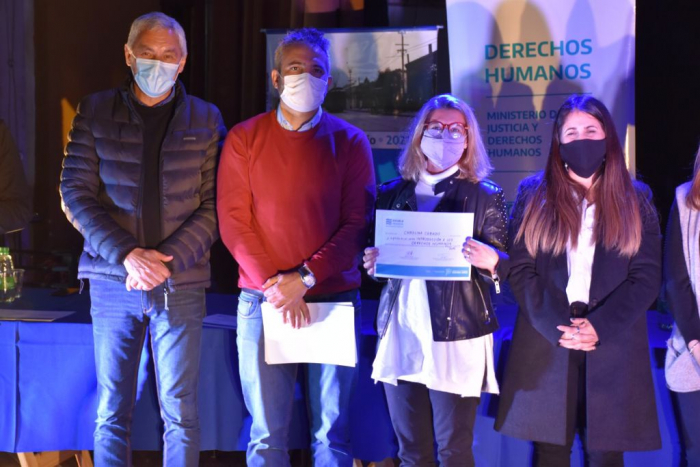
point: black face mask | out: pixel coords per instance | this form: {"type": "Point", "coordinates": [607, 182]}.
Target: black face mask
{"type": "Point", "coordinates": [583, 156]}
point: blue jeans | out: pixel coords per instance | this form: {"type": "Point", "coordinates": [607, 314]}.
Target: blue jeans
{"type": "Point", "coordinates": [120, 320]}
{"type": "Point", "coordinates": [268, 391]}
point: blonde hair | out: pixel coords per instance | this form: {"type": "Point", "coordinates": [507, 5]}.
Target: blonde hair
{"type": "Point", "coordinates": [692, 199]}
{"type": "Point", "coordinates": [474, 165]}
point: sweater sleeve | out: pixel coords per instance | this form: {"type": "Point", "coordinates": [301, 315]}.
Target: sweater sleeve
{"type": "Point", "coordinates": [235, 209]}
{"type": "Point", "coordinates": [15, 198]}
{"type": "Point", "coordinates": [357, 206]}
{"type": "Point", "coordinates": [677, 287]}
{"type": "Point", "coordinates": [80, 182]}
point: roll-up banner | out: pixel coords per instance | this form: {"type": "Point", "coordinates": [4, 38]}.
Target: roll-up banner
{"type": "Point", "coordinates": [517, 61]}
{"type": "Point", "coordinates": [381, 77]}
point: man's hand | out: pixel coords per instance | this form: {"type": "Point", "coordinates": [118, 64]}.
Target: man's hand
{"type": "Point", "coordinates": [132, 284]}
{"type": "Point", "coordinates": [284, 289]}
{"type": "Point", "coordinates": [296, 313]}
{"type": "Point", "coordinates": [145, 268]}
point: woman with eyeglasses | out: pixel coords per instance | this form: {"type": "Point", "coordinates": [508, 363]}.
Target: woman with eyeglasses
{"type": "Point", "coordinates": [585, 253]}
{"type": "Point", "coordinates": [435, 354]}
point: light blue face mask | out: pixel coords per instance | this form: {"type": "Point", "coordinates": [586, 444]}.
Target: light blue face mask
{"type": "Point", "coordinates": [154, 77]}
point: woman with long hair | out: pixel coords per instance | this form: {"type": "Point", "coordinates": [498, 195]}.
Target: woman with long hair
{"type": "Point", "coordinates": [681, 274]}
{"type": "Point", "coordinates": [585, 254]}
{"type": "Point", "coordinates": [435, 354]}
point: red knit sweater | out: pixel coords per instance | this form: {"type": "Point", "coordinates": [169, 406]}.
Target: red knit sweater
{"type": "Point", "coordinates": [286, 198]}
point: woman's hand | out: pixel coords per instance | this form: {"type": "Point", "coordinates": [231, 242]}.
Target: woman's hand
{"type": "Point", "coordinates": [369, 260]}
{"type": "Point", "coordinates": [581, 335]}
{"type": "Point", "coordinates": [480, 255]}
{"type": "Point", "coordinates": [694, 350]}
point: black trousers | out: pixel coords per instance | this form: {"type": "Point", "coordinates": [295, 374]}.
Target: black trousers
{"type": "Point", "coordinates": [420, 415]}
{"type": "Point", "coordinates": [556, 455]}
{"type": "Point", "coordinates": [687, 408]}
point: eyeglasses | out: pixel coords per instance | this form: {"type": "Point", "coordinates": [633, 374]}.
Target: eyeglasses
{"type": "Point", "coordinates": [435, 129]}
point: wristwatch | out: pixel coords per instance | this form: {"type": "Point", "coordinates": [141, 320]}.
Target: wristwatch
{"type": "Point", "coordinates": [307, 277]}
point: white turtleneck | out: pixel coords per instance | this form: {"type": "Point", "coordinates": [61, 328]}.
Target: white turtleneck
{"type": "Point", "coordinates": [408, 352]}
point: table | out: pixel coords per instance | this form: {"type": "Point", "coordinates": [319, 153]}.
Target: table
{"type": "Point", "coordinates": [48, 393]}
{"type": "Point", "coordinates": [48, 389]}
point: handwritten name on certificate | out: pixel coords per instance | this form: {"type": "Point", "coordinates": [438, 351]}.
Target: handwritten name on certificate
{"type": "Point", "coordinates": [423, 245]}
{"type": "Point", "coordinates": [328, 338]}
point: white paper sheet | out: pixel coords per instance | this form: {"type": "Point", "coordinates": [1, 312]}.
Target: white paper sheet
{"type": "Point", "coordinates": [328, 338]}
{"type": "Point", "coordinates": [423, 245]}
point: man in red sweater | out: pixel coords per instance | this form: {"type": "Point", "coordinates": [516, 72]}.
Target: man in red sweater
{"type": "Point", "coordinates": [296, 190]}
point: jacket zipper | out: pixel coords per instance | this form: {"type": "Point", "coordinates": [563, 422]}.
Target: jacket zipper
{"type": "Point", "coordinates": [449, 318]}
{"type": "Point", "coordinates": [452, 298]}
{"type": "Point", "coordinates": [165, 294]}
{"type": "Point", "coordinates": [390, 284]}
{"type": "Point", "coordinates": [178, 108]}
{"type": "Point", "coordinates": [391, 306]}
{"type": "Point", "coordinates": [487, 317]}
{"type": "Point", "coordinates": [140, 235]}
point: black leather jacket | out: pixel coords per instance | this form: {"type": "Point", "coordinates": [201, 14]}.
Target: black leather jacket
{"type": "Point", "coordinates": [458, 309]}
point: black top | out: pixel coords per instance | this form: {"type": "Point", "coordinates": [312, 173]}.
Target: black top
{"type": "Point", "coordinates": [155, 124]}
{"type": "Point", "coordinates": [678, 289]}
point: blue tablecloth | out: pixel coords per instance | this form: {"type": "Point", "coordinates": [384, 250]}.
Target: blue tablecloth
{"type": "Point", "coordinates": [48, 398]}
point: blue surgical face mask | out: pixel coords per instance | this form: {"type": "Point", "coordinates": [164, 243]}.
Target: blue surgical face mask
{"type": "Point", "coordinates": [154, 77]}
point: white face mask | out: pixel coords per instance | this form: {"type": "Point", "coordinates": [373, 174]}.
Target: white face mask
{"type": "Point", "coordinates": [303, 92]}
{"type": "Point", "coordinates": [443, 153]}
{"type": "Point", "coordinates": [154, 77]}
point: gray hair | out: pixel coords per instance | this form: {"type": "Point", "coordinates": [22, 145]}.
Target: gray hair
{"type": "Point", "coordinates": [155, 20]}
{"type": "Point", "coordinates": [310, 37]}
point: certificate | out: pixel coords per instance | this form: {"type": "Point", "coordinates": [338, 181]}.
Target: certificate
{"type": "Point", "coordinates": [423, 245]}
{"type": "Point", "coordinates": [328, 338]}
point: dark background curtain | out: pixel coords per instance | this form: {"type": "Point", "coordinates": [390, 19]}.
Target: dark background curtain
{"type": "Point", "coordinates": [78, 49]}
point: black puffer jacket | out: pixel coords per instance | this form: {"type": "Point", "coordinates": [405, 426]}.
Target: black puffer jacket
{"type": "Point", "coordinates": [458, 309]}
{"type": "Point", "coordinates": [102, 180]}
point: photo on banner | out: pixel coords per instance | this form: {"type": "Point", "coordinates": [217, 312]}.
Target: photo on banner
{"type": "Point", "coordinates": [516, 61]}
{"type": "Point", "coordinates": [381, 78]}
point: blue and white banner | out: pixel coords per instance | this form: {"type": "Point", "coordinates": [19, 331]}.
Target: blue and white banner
{"type": "Point", "coordinates": [380, 79]}
{"type": "Point", "coordinates": [516, 62]}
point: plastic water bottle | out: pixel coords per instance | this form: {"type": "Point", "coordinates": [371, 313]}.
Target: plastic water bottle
{"type": "Point", "coordinates": [7, 275]}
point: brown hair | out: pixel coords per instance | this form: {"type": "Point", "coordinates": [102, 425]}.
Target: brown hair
{"type": "Point", "coordinates": [692, 199]}
{"type": "Point", "coordinates": [553, 215]}
{"type": "Point", "coordinates": [474, 165]}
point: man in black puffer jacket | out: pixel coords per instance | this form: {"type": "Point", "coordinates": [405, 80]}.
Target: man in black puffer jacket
{"type": "Point", "coordinates": [138, 182]}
